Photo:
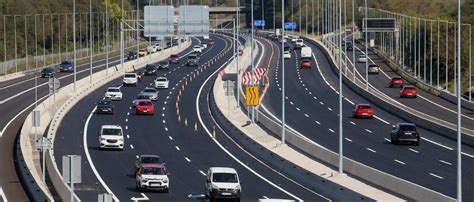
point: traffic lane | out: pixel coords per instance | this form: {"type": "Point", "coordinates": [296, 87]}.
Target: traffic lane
{"type": "Point", "coordinates": [63, 144]}
{"type": "Point", "coordinates": [82, 71]}
{"type": "Point", "coordinates": [445, 110]}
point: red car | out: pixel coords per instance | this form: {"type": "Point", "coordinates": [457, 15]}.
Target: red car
{"type": "Point", "coordinates": [408, 91]}
{"type": "Point", "coordinates": [210, 42]}
{"type": "Point", "coordinates": [363, 111]}
{"type": "Point", "coordinates": [144, 107]}
{"type": "Point", "coordinates": [396, 81]}
{"type": "Point", "coordinates": [174, 58]}
{"type": "Point", "coordinates": [305, 64]}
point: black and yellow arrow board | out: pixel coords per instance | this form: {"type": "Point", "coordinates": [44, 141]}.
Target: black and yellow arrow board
{"type": "Point", "coordinates": [252, 97]}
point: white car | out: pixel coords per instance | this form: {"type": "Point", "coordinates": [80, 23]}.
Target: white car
{"type": "Point", "coordinates": [130, 79]}
{"type": "Point", "coordinates": [299, 43]}
{"type": "Point", "coordinates": [373, 69]}
{"type": "Point", "coordinates": [150, 49]}
{"type": "Point", "coordinates": [287, 55]}
{"type": "Point", "coordinates": [162, 82]}
{"type": "Point", "coordinates": [361, 58]}
{"type": "Point", "coordinates": [114, 93]}
{"type": "Point", "coordinates": [157, 47]}
{"type": "Point", "coordinates": [222, 182]}
{"type": "Point", "coordinates": [111, 136]}
{"type": "Point", "coordinates": [152, 176]}
{"type": "Point", "coordinates": [203, 45]}
{"type": "Point", "coordinates": [197, 49]}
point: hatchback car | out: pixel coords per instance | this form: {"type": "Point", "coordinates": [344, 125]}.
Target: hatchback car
{"type": "Point", "coordinates": [408, 92]}
{"type": "Point", "coordinates": [150, 92]}
{"type": "Point", "coordinates": [163, 65]}
{"type": "Point", "coordinates": [396, 81]}
{"type": "Point", "coordinates": [146, 160]}
{"type": "Point", "coordinates": [405, 133]}
{"type": "Point", "coordinates": [145, 107]}
{"type": "Point", "coordinates": [363, 111]}
{"type": "Point", "coordinates": [373, 69]}
{"type": "Point", "coordinates": [142, 52]}
{"type": "Point", "coordinates": [305, 64]}
{"type": "Point", "coordinates": [105, 106]}
{"type": "Point", "coordinates": [210, 42]}
{"type": "Point", "coordinates": [114, 93]}
{"type": "Point", "coordinates": [150, 69]}
{"type": "Point", "coordinates": [66, 66]}
{"type": "Point", "coordinates": [161, 83]}
{"type": "Point", "coordinates": [47, 72]}
{"type": "Point", "coordinates": [140, 97]}
{"type": "Point", "coordinates": [286, 55]}
{"type": "Point", "coordinates": [152, 176]}
{"type": "Point", "coordinates": [174, 58]}
{"type": "Point", "coordinates": [361, 58]}
{"type": "Point", "coordinates": [132, 55]}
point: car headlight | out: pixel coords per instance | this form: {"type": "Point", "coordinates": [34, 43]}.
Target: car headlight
{"type": "Point", "coordinates": [102, 139]}
{"type": "Point", "coordinates": [214, 187]}
{"type": "Point", "coordinates": [144, 180]}
{"type": "Point", "coordinates": [121, 139]}
{"type": "Point", "coordinates": [165, 181]}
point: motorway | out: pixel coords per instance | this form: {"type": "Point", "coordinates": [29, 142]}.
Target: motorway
{"type": "Point", "coordinates": [312, 110]}
{"type": "Point", "coordinates": [17, 98]}
{"type": "Point", "coordinates": [188, 153]}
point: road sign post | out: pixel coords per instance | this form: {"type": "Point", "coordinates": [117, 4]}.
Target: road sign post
{"type": "Point", "coordinates": [229, 91]}
{"type": "Point", "coordinates": [105, 198]}
{"type": "Point", "coordinates": [252, 97]}
{"type": "Point", "coordinates": [43, 144]}
{"type": "Point", "coordinates": [72, 171]}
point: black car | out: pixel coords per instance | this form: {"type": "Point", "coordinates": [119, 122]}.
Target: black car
{"type": "Point", "coordinates": [105, 106]}
{"type": "Point", "coordinates": [150, 69]}
{"type": "Point", "coordinates": [66, 66]}
{"type": "Point", "coordinates": [349, 46]}
{"type": "Point", "coordinates": [132, 55]}
{"type": "Point", "coordinates": [163, 65]}
{"type": "Point", "coordinates": [47, 72]}
{"type": "Point", "coordinates": [405, 133]}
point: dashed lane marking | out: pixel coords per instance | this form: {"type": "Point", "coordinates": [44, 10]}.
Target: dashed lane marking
{"type": "Point", "coordinates": [352, 123]}
{"type": "Point", "coordinates": [298, 109]}
{"type": "Point", "coordinates": [414, 150]}
{"type": "Point", "coordinates": [177, 148]}
{"type": "Point", "coordinates": [171, 138]}
{"type": "Point", "coordinates": [202, 172]}
{"type": "Point", "coordinates": [437, 176]}
{"type": "Point", "coordinates": [131, 146]}
{"type": "Point", "coordinates": [445, 162]}
{"type": "Point", "coordinates": [128, 136]}
{"type": "Point", "coordinates": [306, 115]}
{"type": "Point", "coordinates": [317, 122]}
{"type": "Point", "coordinates": [332, 131]}
{"type": "Point", "coordinates": [373, 151]}
{"type": "Point", "coordinates": [369, 131]}
{"type": "Point", "coordinates": [348, 139]}
{"type": "Point", "coordinates": [329, 108]}
{"type": "Point", "coordinates": [187, 159]}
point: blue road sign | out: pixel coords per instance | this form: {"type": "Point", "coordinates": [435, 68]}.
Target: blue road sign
{"type": "Point", "coordinates": [260, 23]}
{"type": "Point", "coordinates": [290, 25]}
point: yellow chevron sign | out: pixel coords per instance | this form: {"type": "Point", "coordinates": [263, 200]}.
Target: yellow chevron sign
{"type": "Point", "coordinates": [252, 96]}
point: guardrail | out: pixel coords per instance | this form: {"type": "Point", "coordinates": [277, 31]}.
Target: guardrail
{"type": "Point", "coordinates": [65, 101]}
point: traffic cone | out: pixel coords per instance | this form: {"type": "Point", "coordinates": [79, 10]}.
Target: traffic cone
{"type": "Point", "coordinates": [195, 127]}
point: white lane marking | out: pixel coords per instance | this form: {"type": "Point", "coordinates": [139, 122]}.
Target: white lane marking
{"type": "Point", "coordinates": [126, 127]}
{"type": "Point", "coordinates": [298, 109]}
{"type": "Point", "coordinates": [317, 122]}
{"type": "Point", "coordinates": [137, 156]}
{"type": "Point", "coordinates": [2, 195]}
{"type": "Point", "coordinates": [322, 103]}
{"type": "Point", "coordinates": [130, 108]}
{"type": "Point", "coordinates": [164, 108]}
{"type": "Point", "coordinates": [349, 101]}
{"type": "Point", "coordinates": [329, 108]}
{"type": "Point", "coordinates": [414, 150]}
{"type": "Point", "coordinates": [369, 131]}
{"type": "Point", "coordinates": [126, 120]}
{"type": "Point", "coordinates": [306, 115]}
{"type": "Point", "coordinates": [162, 114]}
{"type": "Point", "coordinates": [291, 103]}
{"type": "Point", "coordinates": [22, 111]}
{"type": "Point", "coordinates": [198, 112]}
{"type": "Point", "coordinates": [348, 139]}
{"type": "Point", "coordinates": [177, 148]}
{"type": "Point", "coordinates": [352, 123]}
{"type": "Point", "coordinates": [131, 146]}
{"type": "Point", "coordinates": [164, 121]}
{"type": "Point", "coordinates": [386, 139]}
{"type": "Point", "coordinates": [187, 159]}
{"type": "Point", "coordinates": [380, 119]}
{"type": "Point", "coordinates": [310, 93]}
{"type": "Point", "coordinates": [202, 172]}
{"type": "Point", "coordinates": [167, 97]}
{"type": "Point", "coordinates": [128, 113]}
{"type": "Point", "coordinates": [315, 98]}
{"type": "Point", "coordinates": [400, 162]}
{"type": "Point", "coordinates": [166, 129]}
{"type": "Point", "coordinates": [165, 102]}
{"type": "Point", "coordinates": [445, 162]}
{"type": "Point", "coordinates": [433, 142]}
{"type": "Point", "coordinates": [371, 150]}
{"type": "Point", "coordinates": [89, 159]}
{"type": "Point", "coordinates": [437, 176]}
{"type": "Point", "coordinates": [128, 136]}
{"type": "Point", "coordinates": [265, 197]}
{"type": "Point", "coordinates": [171, 138]}
{"type": "Point", "coordinates": [332, 131]}
{"type": "Point", "coordinates": [472, 156]}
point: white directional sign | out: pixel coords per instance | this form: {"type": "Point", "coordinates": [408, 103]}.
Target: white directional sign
{"type": "Point", "coordinates": [159, 21]}
{"type": "Point", "coordinates": [53, 85]}
{"type": "Point", "coordinates": [193, 20]}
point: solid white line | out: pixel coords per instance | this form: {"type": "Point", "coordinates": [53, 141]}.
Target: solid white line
{"type": "Point", "coordinates": [171, 138]}
{"type": "Point", "coordinates": [16, 116]}
{"type": "Point", "coordinates": [369, 131]}
{"type": "Point", "coordinates": [371, 150]}
{"type": "Point", "coordinates": [400, 162]}
{"type": "Point", "coordinates": [329, 109]}
{"type": "Point", "coordinates": [437, 176]}
{"type": "Point", "coordinates": [202, 172]}
{"type": "Point", "coordinates": [348, 139]}
{"type": "Point", "coordinates": [433, 142]}
{"type": "Point", "coordinates": [414, 150]}
{"type": "Point", "coordinates": [2, 195]}
{"type": "Point", "coordinates": [187, 159]}
{"type": "Point", "coordinates": [89, 159]}
{"type": "Point", "coordinates": [445, 162]}
{"type": "Point", "coordinates": [332, 131]}
{"type": "Point", "coordinates": [177, 148]}
{"type": "Point", "coordinates": [352, 123]}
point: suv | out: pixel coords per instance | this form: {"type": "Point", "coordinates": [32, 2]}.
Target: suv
{"type": "Point", "coordinates": [222, 182]}
{"type": "Point", "coordinates": [130, 79]}
{"type": "Point", "coordinates": [197, 49]}
{"type": "Point", "coordinates": [192, 60]}
{"type": "Point", "coordinates": [174, 58]}
{"type": "Point", "coordinates": [113, 93]}
{"type": "Point", "coordinates": [299, 43]}
{"type": "Point", "coordinates": [150, 69]}
{"type": "Point", "coordinates": [111, 136]}
{"type": "Point", "coordinates": [152, 176]}
{"type": "Point", "coordinates": [131, 55]}
{"type": "Point", "coordinates": [105, 106]}
{"type": "Point", "coordinates": [147, 160]}
{"type": "Point", "coordinates": [405, 132]}
{"type": "Point", "coordinates": [66, 66]}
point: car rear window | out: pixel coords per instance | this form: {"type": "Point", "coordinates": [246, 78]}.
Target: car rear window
{"type": "Point", "coordinates": [372, 65]}
{"type": "Point", "coordinates": [192, 57]}
{"type": "Point", "coordinates": [113, 90]}
{"type": "Point", "coordinates": [409, 88]}
{"type": "Point", "coordinates": [153, 171]}
{"type": "Point", "coordinates": [161, 79]}
{"type": "Point", "coordinates": [174, 56]}
{"type": "Point", "coordinates": [365, 107]}
{"type": "Point", "coordinates": [130, 75]}
{"type": "Point", "coordinates": [145, 103]}
{"type": "Point", "coordinates": [149, 90]}
{"type": "Point", "coordinates": [407, 128]}
{"type": "Point", "coordinates": [105, 102]}
{"type": "Point", "coordinates": [151, 160]}
{"type": "Point", "coordinates": [224, 177]}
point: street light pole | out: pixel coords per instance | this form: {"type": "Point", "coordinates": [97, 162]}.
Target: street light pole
{"type": "Point", "coordinates": [459, 157]}
{"type": "Point", "coordinates": [74, 43]}
{"type": "Point", "coordinates": [353, 41]}
{"type": "Point", "coordinates": [366, 49]}
{"type": "Point", "coordinates": [341, 155]}
{"type": "Point", "coordinates": [283, 126]}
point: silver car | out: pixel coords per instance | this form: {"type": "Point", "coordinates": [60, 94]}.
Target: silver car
{"type": "Point", "coordinates": [150, 92]}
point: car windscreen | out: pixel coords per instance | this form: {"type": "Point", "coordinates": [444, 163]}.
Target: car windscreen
{"type": "Point", "coordinates": [105, 102]}
{"type": "Point", "coordinates": [112, 131]}
{"type": "Point", "coordinates": [141, 96]}
{"type": "Point", "coordinates": [153, 171]}
{"type": "Point", "coordinates": [130, 76]}
{"type": "Point", "coordinates": [47, 70]}
{"type": "Point", "coordinates": [174, 56]}
{"type": "Point", "coordinates": [149, 91]}
{"type": "Point", "coordinates": [113, 90]}
{"type": "Point", "coordinates": [407, 128]}
{"type": "Point", "coordinates": [372, 65]}
{"type": "Point", "coordinates": [192, 57]}
{"type": "Point", "coordinates": [224, 177]}
{"type": "Point", "coordinates": [161, 79]}
{"type": "Point", "coordinates": [150, 67]}
{"type": "Point", "coordinates": [151, 160]}
{"type": "Point", "coordinates": [163, 63]}
{"type": "Point", "coordinates": [66, 62]}
{"type": "Point", "coordinates": [145, 103]}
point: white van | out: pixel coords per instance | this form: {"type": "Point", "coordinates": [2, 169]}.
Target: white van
{"type": "Point", "coordinates": [306, 53]}
{"type": "Point", "coordinates": [111, 136]}
{"type": "Point", "coordinates": [222, 182]}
